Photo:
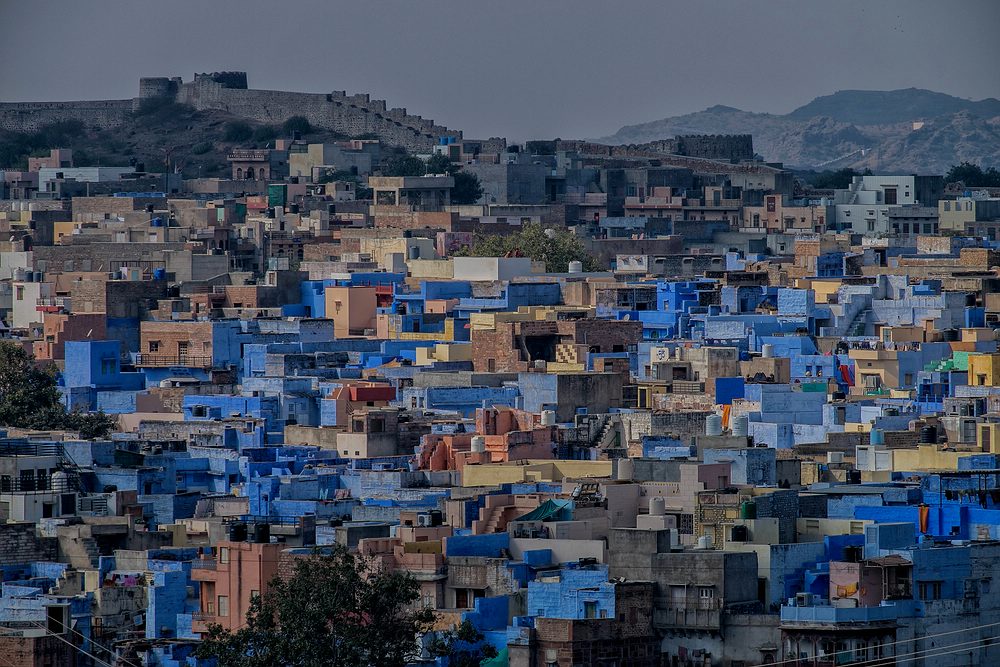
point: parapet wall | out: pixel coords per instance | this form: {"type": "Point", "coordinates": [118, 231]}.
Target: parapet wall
{"type": "Point", "coordinates": [30, 116]}
{"type": "Point", "coordinates": [352, 115]}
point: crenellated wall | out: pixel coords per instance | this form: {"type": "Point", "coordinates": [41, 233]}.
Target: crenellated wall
{"type": "Point", "coordinates": [352, 115]}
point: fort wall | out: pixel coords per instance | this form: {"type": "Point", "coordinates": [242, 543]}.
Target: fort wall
{"type": "Point", "coordinates": [352, 115]}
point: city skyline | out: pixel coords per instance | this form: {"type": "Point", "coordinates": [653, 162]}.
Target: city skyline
{"type": "Point", "coordinates": [571, 70]}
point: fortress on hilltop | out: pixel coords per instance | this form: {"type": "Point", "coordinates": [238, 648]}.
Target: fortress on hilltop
{"type": "Point", "coordinates": [352, 115]}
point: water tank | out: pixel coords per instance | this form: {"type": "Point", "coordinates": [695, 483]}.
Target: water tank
{"type": "Point", "coordinates": [928, 435]}
{"type": "Point", "coordinates": [38, 276]}
{"type": "Point", "coordinates": [60, 481]}
{"type": "Point", "coordinates": [876, 437]}
{"type": "Point", "coordinates": [625, 470]}
{"type": "Point", "coordinates": [159, 274]}
{"type": "Point", "coordinates": [767, 351]}
{"type": "Point", "coordinates": [713, 425]}
{"type": "Point", "coordinates": [548, 417]}
{"type": "Point", "coordinates": [413, 252]}
{"type": "Point", "coordinates": [657, 506]}
{"type": "Point", "coordinates": [261, 533]}
{"type": "Point", "coordinates": [576, 267]}
{"type": "Point", "coordinates": [540, 365]}
{"type": "Point", "coordinates": [238, 532]}
{"type": "Point", "coordinates": [20, 275]}
{"type": "Point", "coordinates": [891, 412]}
{"type": "Point", "coordinates": [704, 542]}
{"type": "Point", "coordinates": [741, 426]}
{"type": "Point", "coordinates": [748, 509]}
{"type": "Point", "coordinates": [478, 444]}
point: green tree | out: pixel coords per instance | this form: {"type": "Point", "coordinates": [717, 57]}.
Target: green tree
{"type": "Point", "coordinates": [404, 165]}
{"type": "Point", "coordinates": [467, 189]}
{"type": "Point", "coordinates": [265, 133]}
{"type": "Point", "coordinates": [832, 180]}
{"type": "Point", "coordinates": [335, 609]}
{"type": "Point", "coordinates": [463, 646]}
{"type": "Point", "coordinates": [298, 124]}
{"type": "Point", "coordinates": [973, 176]}
{"type": "Point", "coordinates": [238, 130]}
{"type": "Point", "coordinates": [556, 247]}
{"type": "Point", "coordinates": [440, 164]}
{"type": "Point", "coordinates": [29, 398]}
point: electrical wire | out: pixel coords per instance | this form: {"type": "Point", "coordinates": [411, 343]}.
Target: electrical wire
{"type": "Point", "coordinates": [93, 641]}
{"type": "Point", "coordinates": [876, 661]}
{"type": "Point", "coordinates": [74, 646]}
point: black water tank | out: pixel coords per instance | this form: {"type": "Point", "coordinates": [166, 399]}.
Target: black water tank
{"type": "Point", "coordinates": [261, 533]}
{"type": "Point", "coordinates": [853, 476]}
{"type": "Point", "coordinates": [928, 435]}
{"type": "Point", "coordinates": [238, 532]}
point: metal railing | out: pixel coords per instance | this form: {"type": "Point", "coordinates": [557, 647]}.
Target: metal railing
{"type": "Point", "coordinates": [166, 360]}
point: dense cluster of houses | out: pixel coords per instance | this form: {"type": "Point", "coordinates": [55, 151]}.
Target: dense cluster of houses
{"type": "Point", "coordinates": [765, 433]}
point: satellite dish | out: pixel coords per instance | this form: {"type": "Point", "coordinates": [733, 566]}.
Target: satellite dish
{"type": "Point", "coordinates": [626, 317]}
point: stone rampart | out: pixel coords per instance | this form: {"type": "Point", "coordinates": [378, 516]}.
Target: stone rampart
{"type": "Point", "coordinates": [352, 115]}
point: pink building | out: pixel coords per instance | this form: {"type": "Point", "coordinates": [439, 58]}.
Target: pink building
{"type": "Point", "coordinates": [237, 573]}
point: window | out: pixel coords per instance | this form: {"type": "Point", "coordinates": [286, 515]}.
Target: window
{"type": "Point", "coordinates": [947, 206]}
{"type": "Point", "coordinates": [223, 555]}
{"type": "Point", "coordinates": [224, 605]}
{"type": "Point", "coordinates": [154, 346]}
{"type": "Point", "coordinates": [706, 592]}
{"type": "Point", "coordinates": [20, 292]}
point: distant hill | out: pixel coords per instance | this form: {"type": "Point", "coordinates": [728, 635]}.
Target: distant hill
{"type": "Point", "coordinates": [880, 107]}
{"type": "Point", "coordinates": [852, 128]}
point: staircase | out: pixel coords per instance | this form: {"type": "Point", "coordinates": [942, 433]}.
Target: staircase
{"type": "Point", "coordinates": [93, 552]}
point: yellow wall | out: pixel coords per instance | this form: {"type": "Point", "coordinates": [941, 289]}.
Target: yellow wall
{"type": "Point", "coordinates": [814, 530]}
{"type": "Point", "coordinates": [984, 370]}
{"type": "Point", "coordinates": [494, 474]}
{"type": "Point", "coordinates": [444, 352]}
{"type": "Point", "coordinates": [986, 437]}
{"type": "Point", "coordinates": [925, 457]}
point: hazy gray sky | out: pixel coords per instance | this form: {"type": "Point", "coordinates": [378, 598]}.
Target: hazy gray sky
{"type": "Point", "coordinates": [521, 69]}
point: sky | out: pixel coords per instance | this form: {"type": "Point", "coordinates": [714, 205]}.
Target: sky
{"type": "Point", "coordinates": [521, 69]}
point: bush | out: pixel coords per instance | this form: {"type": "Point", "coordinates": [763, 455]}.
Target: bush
{"type": "Point", "coordinates": [298, 124]}
{"type": "Point", "coordinates": [201, 148]}
{"type": "Point", "coordinates": [265, 133]}
{"type": "Point", "coordinates": [237, 130]}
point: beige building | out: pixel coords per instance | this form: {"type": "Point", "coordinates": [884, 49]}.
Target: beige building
{"type": "Point", "coordinates": [352, 309]}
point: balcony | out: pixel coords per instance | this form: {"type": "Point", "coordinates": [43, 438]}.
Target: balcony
{"type": "Point", "coordinates": [703, 615]}
{"type": "Point", "coordinates": [828, 615]}
{"type": "Point", "coordinates": [205, 564]}
{"type": "Point", "coordinates": [249, 155]}
{"type": "Point", "coordinates": [167, 361]}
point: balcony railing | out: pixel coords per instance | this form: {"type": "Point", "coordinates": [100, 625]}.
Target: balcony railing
{"type": "Point", "coordinates": [167, 360]}
{"type": "Point", "coordinates": [204, 564]}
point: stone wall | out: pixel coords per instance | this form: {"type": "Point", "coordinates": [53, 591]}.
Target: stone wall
{"type": "Point", "coordinates": [20, 543]}
{"type": "Point", "coordinates": [30, 116]}
{"type": "Point", "coordinates": [352, 115]}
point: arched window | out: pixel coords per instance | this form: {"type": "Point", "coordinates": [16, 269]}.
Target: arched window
{"type": "Point", "coordinates": [239, 173]}
{"type": "Point", "coordinates": [250, 173]}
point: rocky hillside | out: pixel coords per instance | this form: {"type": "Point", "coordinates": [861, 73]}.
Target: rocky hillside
{"type": "Point", "coordinates": [174, 136]}
{"type": "Point", "coordinates": [855, 128]}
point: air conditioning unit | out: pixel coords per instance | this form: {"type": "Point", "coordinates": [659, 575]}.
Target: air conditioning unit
{"type": "Point", "coordinates": [424, 520]}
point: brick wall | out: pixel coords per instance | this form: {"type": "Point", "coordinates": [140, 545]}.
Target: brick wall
{"type": "Point", "coordinates": [19, 543]}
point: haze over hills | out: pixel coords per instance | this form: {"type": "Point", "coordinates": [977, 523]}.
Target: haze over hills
{"type": "Point", "coordinates": [909, 130]}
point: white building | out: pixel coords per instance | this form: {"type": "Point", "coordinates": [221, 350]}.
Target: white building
{"type": "Point", "coordinates": [864, 207]}
{"type": "Point", "coordinates": [81, 174]}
